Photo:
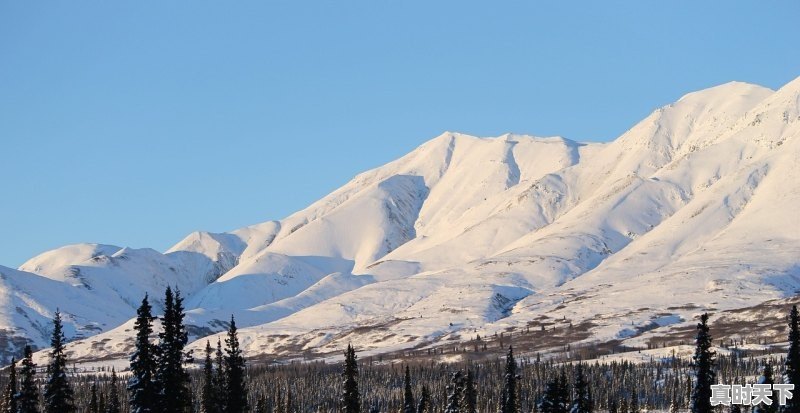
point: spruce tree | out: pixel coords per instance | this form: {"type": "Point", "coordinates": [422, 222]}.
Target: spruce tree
{"type": "Point", "coordinates": [767, 378]}
{"type": "Point", "coordinates": [93, 407]}
{"type": "Point", "coordinates": [508, 398]}
{"type": "Point", "coordinates": [208, 397]}
{"type": "Point", "coordinates": [703, 365]}
{"type": "Point", "coordinates": [171, 375]}
{"type": "Point", "coordinates": [113, 405]}
{"type": "Point", "coordinates": [408, 395]}
{"type": "Point", "coordinates": [455, 392]}
{"type": "Point", "coordinates": [58, 395]}
{"type": "Point", "coordinates": [9, 402]}
{"type": "Point", "coordinates": [792, 374]}
{"type": "Point", "coordinates": [351, 398]}
{"type": "Point", "coordinates": [582, 402]}
{"type": "Point", "coordinates": [424, 405]}
{"type": "Point", "coordinates": [234, 366]}
{"type": "Point", "coordinates": [470, 404]}
{"type": "Point", "coordinates": [142, 391]}
{"type": "Point", "coordinates": [552, 400]}
{"type": "Point", "coordinates": [28, 398]}
{"type": "Point", "coordinates": [220, 379]}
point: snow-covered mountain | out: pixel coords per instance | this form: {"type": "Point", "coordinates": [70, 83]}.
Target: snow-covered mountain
{"type": "Point", "coordinates": [697, 207]}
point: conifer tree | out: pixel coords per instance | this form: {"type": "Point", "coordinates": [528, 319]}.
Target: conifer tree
{"type": "Point", "coordinates": [703, 365]}
{"type": "Point", "coordinates": [113, 405]}
{"type": "Point", "coordinates": [408, 395]}
{"type": "Point", "coordinates": [583, 401]}
{"type": "Point", "coordinates": [9, 402]}
{"type": "Point", "coordinates": [552, 400]}
{"type": "Point", "coordinates": [634, 405]}
{"type": "Point", "coordinates": [470, 404]}
{"type": "Point", "coordinates": [208, 398]}
{"type": "Point", "coordinates": [234, 365]}
{"type": "Point", "coordinates": [455, 392]}
{"type": "Point", "coordinates": [142, 391]}
{"type": "Point", "coordinates": [58, 395]}
{"type": "Point", "coordinates": [767, 378]}
{"type": "Point", "coordinates": [792, 375]}
{"type": "Point", "coordinates": [220, 379]}
{"type": "Point", "coordinates": [28, 398]}
{"type": "Point", "coordinates": [93, 407]}
{"type": "Point", "coordinates": [424, 405]}
{"type": "Point", "coordinates": [351, 398]}
{"type": "Point", "coordinates": [171, 375]}
{"type": "Point", "coordinates": [508, 399]}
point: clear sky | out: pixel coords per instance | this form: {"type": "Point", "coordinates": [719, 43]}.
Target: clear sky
{"type": "Point", "coordinates": [136, 122]}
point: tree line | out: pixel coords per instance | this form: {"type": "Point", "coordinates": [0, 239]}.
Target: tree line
{"type": "Point", "coordinates": [160, 379]}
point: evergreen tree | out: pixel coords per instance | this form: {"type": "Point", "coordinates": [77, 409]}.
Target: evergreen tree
{"type": "Point", "coordinates": [93, 407]}
{"type": "Point", "coordinates": [408, 395]}
{"type": "Point", "coordinates": [220, 380]}
{"type": "Point", "coordinates": [703, 365]}
{"type": "Point", "coordinates": [234, 366]}
{"type": "Point", "coordinates": [508, 399]}
{"type": "Point", "coordinates": [634, 405]}
{"type": "Point", "coordinates": [767, 378]}
{"type": "Point", "coordinates": [552, 400]}
{"type": "Point", "coordinates": [792, 375]}
{"type": "Point", "coordinates": [58, 395]}
{"type": "Point", "coordinates": [583, 401]}
{"type": "Point", "coordinates": [424, 405]}
{"type": "Point", "coordinates": [28, 398]}
{"type": "Point", "coordinates": [351, 398]}
{"type": "Point", "coordinates": [470, 404]}
{"type": "Point", "coordinates": [172, 378]}
{"type": "Point", "coordinates": [455, 392]}
{"type": "Point", "coordinates": [113, 405]}
{"type": "Point", "coordinates": [9, 402]}
{"type": "Point", "coordinates": [208, 398]}
{"type": "Point", "coordinates": [142, 391]}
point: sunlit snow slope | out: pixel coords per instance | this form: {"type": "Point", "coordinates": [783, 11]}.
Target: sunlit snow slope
{"type": "Point", "coordinates": [696, 207]}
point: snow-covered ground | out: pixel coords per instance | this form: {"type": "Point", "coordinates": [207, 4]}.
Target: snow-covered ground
{"type": "Point", "coordinates": [696, 208]}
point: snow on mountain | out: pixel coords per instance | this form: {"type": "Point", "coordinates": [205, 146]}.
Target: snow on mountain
{"type": "Point", "coordinates": [694, 208]}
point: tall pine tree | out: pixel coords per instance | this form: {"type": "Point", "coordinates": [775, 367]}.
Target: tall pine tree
{"type": "Point", "coordinates": [208, 396]}
{"type": "Point", "coordinates": [113, 405]}
{"type": "Point", "coordinates": [792, 374]}
{"type": "Point", "coordinates": [234, 367]}
{"type": "Point", "coordinates": [703, 365]}
{"type": "Point", "coordinates": [142, 391]}
{"type": "Point", "coordinates": [58, 395]}
{"type": "Point", "coordinates": [220, 379]}
{"type": "Point", "coordinates": [582, 402]}
{"type": "Point", "coordinates": [351, 398]}
{"type": "Point", "coordinates": [508, 398]}
{"type": "Point", "coordinates": [93, 406]}
{"type": "Point", "coordinates": [408, 395]}
{"type": "Point", "coordinates": [455, 392]}
{"type": "Point", "coordinates": [767, 378]}
{"type": "Point", "coordinates": [9, 402]}
{"type": "Point", "coordinates": [470, 404]}
{"type": "Point", "coordinates": [28, 398]}
{"type": "Point", "coordinates": [424, 405]}
{"type": "Point", "coordinates": [171, 375]}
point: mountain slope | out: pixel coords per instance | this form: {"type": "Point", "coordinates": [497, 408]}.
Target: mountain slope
{"type": "Point", "coordinates": [692, 209]}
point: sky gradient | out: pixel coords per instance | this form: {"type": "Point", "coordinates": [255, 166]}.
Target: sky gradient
{"type": "Point", "coordinates": [135, 123]}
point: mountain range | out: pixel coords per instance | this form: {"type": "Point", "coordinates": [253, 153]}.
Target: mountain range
{"type": "Point", "coordinates": [695, 208]}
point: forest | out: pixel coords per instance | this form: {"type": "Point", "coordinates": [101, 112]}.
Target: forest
{"type": "Point", "coordinates": [163, 377]}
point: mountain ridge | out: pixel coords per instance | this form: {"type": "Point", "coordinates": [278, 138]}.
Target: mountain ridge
{"type": "Point", "coordinates": [481, 234]}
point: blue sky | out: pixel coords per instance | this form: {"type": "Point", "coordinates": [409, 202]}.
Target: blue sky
{"type": "Point", "coordinates": [135, 123]}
